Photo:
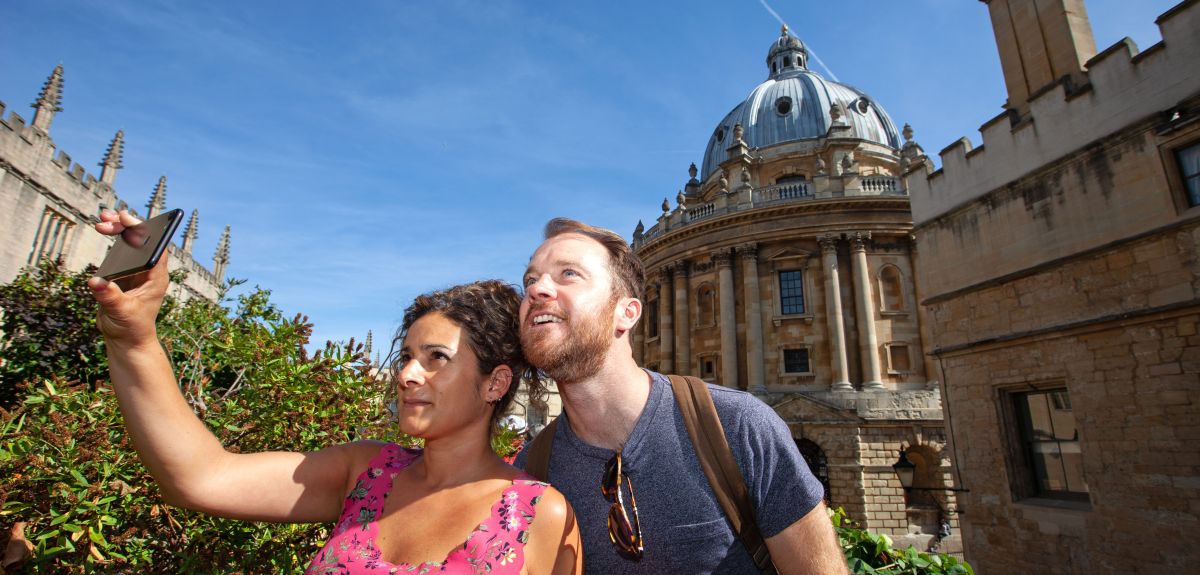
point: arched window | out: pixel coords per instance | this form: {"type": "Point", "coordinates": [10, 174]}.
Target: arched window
{"type": "Point", "coordinates": [927, 477]}
{"type": "Point", "coordinates": [815, 458]}
{"type": "Point", "coordinates": [891, 289]}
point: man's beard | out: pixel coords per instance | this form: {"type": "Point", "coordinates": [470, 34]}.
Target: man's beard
{"type": "Point", "coordinates": [580, 355]}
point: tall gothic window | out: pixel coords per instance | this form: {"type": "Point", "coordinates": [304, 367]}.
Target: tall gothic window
{"type": "Point", "coordinates": [1189, 170]}
{"type": "Point", "coordinates": [791, 292]}
{"type": "Point", "coordinates": [51, 240]}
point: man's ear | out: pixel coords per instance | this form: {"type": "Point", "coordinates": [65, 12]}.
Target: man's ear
{"type": "Point", "coordinates": [627, 312]}
{"type": "Point", "coordinates": [498, 383]}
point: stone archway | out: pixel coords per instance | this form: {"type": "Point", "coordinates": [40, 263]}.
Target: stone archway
{"type": "Point", "coordinates": [814, 456]}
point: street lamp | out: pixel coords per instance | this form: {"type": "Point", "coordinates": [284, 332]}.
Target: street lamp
{"type": "Point", "coordinates": [904, 472]}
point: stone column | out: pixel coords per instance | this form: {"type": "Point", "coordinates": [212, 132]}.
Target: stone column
{"type": "Point", "coordinates": [754, 329]}
{"type": "Point", "coordinates": [833, 309]}
{"type": "Point", "coordinates": [865, 305]}
{"type": "Point", "coordinates": [637, 337]}
{"type": "Point", "coordinates": [724, 260]}
{"type": "Point", "coordinates": [666, 324]}
{"type": "Point", "coordinates": [683, 321]}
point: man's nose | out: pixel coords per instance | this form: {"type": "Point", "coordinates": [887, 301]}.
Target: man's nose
{"type": "Point", "coordinates": [540, 288]}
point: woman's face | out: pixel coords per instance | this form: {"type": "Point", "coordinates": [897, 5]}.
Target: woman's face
{"type": "Point", "coordinates": [440, 390]}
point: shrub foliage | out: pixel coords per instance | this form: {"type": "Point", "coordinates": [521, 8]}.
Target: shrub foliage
{"type": "Point", "coordinates": [68, 474]}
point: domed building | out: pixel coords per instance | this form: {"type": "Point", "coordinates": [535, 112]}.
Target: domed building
{"type": "Point", "coordinates": [786, 268]}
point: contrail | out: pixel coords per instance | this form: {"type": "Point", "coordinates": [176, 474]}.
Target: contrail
{"type": "Point", "coordinates": [812, 52]}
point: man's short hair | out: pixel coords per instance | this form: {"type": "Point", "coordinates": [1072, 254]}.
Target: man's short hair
{"type": "Point", "coordinates": [625, 267]}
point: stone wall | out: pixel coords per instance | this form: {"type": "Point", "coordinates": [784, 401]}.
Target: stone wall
{"type": "Point", "coordinates": [1063, 255]}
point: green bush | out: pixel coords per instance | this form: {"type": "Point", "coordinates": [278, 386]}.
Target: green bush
{"type": "Point", "coordinates": [872, 554]}
{"type": "Point", "coordinates": [68, 472]}
{"type": "Point", "coordinates": [48, 319]}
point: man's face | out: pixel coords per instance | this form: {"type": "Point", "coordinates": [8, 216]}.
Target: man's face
{"type": "Point", "coordinates": [567, 313]}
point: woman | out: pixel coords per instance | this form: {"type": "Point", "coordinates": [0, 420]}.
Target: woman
{"type": "Point", "coordinates": [397, 510]}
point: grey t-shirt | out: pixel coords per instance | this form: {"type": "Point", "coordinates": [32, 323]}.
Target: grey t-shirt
{"type": "Point", "coordinates": [683, 527]}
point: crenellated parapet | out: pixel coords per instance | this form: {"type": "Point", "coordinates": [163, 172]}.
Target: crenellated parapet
{"type": "Point", "coordinates": [1157, 79]}
{"type": "Point", "coordinates": [53, 201]}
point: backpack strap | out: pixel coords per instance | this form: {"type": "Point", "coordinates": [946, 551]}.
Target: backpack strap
{"type": "Point", "coordinates": [716, 459]}
{"type": "Point", "coordinates": [537, 457]}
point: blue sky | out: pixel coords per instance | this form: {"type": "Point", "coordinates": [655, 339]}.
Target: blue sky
{"type": "Point", "coordinates": [371, 151]}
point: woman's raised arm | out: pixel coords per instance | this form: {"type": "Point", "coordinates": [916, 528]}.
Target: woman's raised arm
{"type": "Point", "coordinates": [191, 466]}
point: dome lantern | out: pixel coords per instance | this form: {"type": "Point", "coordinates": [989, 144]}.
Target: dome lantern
{"type": "Point", "coordinates": [787, 54]}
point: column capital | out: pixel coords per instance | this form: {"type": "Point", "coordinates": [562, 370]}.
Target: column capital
{"type": "Point", "coordinates": [667, 270]}
{"type": "Point", "coordinates": [858, 241]}
{"type": "Point", "coordinates": [748, 251]}
{"type": "Point", "coordinates": [683, 269]}
{"type": "Point", "coordinates": [723, 257]}
{"type": "Point", "coordinates": [828, 243]}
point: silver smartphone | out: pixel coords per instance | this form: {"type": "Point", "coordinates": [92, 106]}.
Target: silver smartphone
{"type": "Point", "coordinates": [139, 247]}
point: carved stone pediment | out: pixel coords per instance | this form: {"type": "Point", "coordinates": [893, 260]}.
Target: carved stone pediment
{"type": "Point", "coordinates": [802, 408]}
{"type": "Point", "coordinates": [790, 257]}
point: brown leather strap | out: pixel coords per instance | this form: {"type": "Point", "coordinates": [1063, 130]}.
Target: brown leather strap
{"type": "Point", "coordinates": [716, 459]}
{"type": "Point", "coordinates": [537, 457]}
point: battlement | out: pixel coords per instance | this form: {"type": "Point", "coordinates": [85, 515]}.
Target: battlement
{"type": "Point", "coordinates": [40, 183]}
{"type": "Point", "coordinates": [1123, 87]}
{"type": "Point", "coordinates": [26, 148]}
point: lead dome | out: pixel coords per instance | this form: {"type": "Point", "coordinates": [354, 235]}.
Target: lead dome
{"type": "Point", "coordinates": [795, 103]}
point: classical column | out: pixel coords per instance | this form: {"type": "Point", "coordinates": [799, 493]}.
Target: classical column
{"type": "Point", "coordinates": [729, 372]}
{"type": "Point", "coordinates": [683, 323]}
{"type": "Point", "coordinates": [666, 331]}
{"type": "Point", "coordinates": [865, 305]}
{"type": "Point", "coordinates": [833, 309]}
{"type": "Point", "coordinates": [754, 329]}
{"type": "Point", "coordinates": [637, 336]}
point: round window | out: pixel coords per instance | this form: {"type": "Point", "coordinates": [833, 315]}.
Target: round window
{"type": "Point", "coordinates": [783, 106]}
{"type": "Point", "coordinates": [720, 134]}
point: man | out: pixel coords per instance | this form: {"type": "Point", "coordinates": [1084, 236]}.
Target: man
{"type": "Point", "coordinates": [581, 303]}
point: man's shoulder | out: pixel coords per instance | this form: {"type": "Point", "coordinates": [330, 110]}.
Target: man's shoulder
{"type": "Point", "coordinates": [728, 399]}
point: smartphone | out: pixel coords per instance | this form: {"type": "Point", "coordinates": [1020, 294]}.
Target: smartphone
{"type": "Point", "coordinates": [139, 248]}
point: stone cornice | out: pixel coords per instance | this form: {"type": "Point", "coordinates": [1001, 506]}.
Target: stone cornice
{"type": "Point", "coordinates": [865, 204]}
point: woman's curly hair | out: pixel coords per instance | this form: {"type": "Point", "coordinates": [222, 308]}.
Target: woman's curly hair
{"type": "Point", "coordinates": [489, 312]}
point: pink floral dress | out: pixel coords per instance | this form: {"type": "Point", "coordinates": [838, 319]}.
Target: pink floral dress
{"type": "Point", "coordinates": [497, 546]}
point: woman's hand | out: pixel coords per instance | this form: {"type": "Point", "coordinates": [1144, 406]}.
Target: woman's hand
{"type": "Point", "coordinates": [128, 306]}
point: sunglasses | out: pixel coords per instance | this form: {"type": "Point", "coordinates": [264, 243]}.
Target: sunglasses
{"type": "Point", "coordinates": [626, 537]}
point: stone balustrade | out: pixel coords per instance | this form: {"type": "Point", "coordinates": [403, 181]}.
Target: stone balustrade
{"type": "Point", "coordinates": [748, 199]}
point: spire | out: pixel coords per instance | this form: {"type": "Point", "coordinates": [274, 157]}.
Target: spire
{"type": "Point", "coordinates": [367, 346]}
{"type": "Point", "coordinates": [112, 159]}
{"type": "Point", "coordinates": [189, 233]}
{"type": "Point", "coordinates": [158, 200]}
{"type": "Point", "coordinates": [221, 258]}
{"type": "Point", "coordinates": [49, 101]}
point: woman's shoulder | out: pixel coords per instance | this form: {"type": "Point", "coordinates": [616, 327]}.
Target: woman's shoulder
{"type": "Point", "coordinates": [552, 506]}
{"type": "Point", "coordinates": [366, 453]}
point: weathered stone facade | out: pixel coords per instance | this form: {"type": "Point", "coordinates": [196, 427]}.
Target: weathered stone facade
{"type": "Point", "coordinates": [1061, 262]}
{"type": "Point", "coordinates": [787, 269]}
{"type": "Point", "coordinates": [51, 203]}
